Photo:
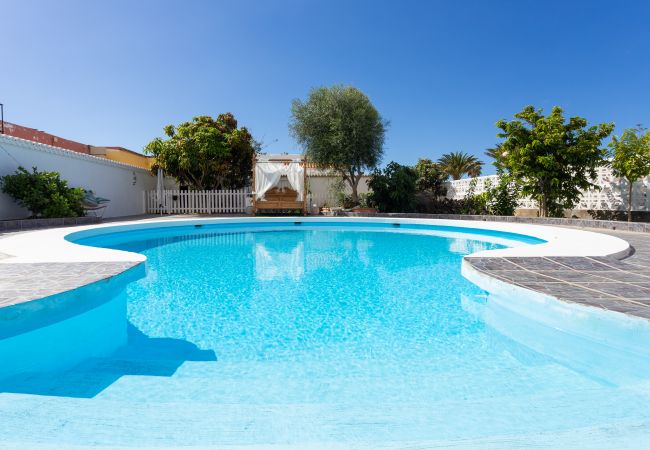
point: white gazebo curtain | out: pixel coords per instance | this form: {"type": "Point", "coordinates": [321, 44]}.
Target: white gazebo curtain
{"type": "Point", "coordinates": [268, 174]}
{"type": "Point", "coordinates": [296, 177]}
{"type": "Point", "coordinates": [160, 190]}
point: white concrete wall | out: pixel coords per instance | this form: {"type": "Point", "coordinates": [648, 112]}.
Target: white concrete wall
{"type": "Point", "coordinates": [322, 191]}
{"type": "Point", "coordinates": [121, 183]}
{"type": "Point", "coordinates": [612, 195]}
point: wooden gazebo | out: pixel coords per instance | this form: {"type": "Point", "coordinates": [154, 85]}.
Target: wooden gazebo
{"type": "Point", "coordinates": [280, 184]}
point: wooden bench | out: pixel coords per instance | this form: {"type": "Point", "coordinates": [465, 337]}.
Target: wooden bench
{"type": "Point", "coordinates": [279, 199]}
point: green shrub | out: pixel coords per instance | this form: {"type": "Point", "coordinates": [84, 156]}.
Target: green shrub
{"type": "Point", "coordinates": [431, 178]}
{"type": "Point", "coordinates": [499, 200]}
{"type": "Point", "coordinates": [393, 189]}
{"type": "Point", "coordinates": [503, 197]}
{"type": "Point", "coordinates": [45, 194]}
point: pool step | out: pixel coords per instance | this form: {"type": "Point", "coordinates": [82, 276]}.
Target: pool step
{"type": "Point", "coordinates": [281, 382]}
{"type": "Point", "coordinates": [137, 423]}
{"type": "Point", "coordinates": [292, 383]}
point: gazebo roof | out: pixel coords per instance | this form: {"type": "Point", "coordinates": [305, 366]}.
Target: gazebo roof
{"type": "Point", "coordinates": [280, 157]}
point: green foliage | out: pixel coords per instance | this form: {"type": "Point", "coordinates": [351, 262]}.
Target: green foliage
{"type": "Point", "coordinates": [503, 198]}
{"type": "Point", "coordinates": [364, 200]}
{"type": "Point", "coordinates": [473, 203]}
{"type": "Point", "coordinates": [457, 164]}
{"type": "Point", "coordinates": [393, 189]}
{"type": "Point", "coordinates": [345, 200]}
{"type": "Point", "coordinates": [45, 194]}
{"type": "Point", "coordinates": [496, 200]}
{"type": "Point", "coordinates": [206, 153]}
{"type": "Point", "coordinates": [430, 177]}
{"type": "Point", "coordinates": [339, 128]}
{"type": "Point", "coordinates": [552, 160]}
{"type": "Point", "coordinates": [631, 158]}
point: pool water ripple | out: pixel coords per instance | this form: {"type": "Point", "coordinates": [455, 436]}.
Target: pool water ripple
{"type": "Point", "coordinates": [353, 338]}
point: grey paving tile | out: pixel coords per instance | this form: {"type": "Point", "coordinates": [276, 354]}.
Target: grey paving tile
{"type": "Point", "coordinates": [624, 290]}
{"type": "Point", "coordinates": [613, 263]}
{"type": "Point", "coordinates": [615, 275]}
{"type": "Point", "coordinates": [535, 263]}
{"type": "Point", "coordinates": [24, 282]}
{"type": "Point", "coordinates": [580, 263]}
{"type": "Point", "coordinates": [492, 264]}
{"type": "Point", "coordinates": [522, 276]}
{"type": "Point", "coordinates": [570, 291]}
{"type": "Point", "coordinates": [638, 263]}
{"type": "Point", "coordinates": [641, 301]}
{"type": "Point", "coordinates": [573, 275]}
{"type": "Point", "coordinates": [615, 305]}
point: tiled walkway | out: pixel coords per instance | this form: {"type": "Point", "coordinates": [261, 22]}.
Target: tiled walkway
{"type": "Point", "coordinates": [21, 283]}
{"type": "Point", "coordinates": [608, 283]}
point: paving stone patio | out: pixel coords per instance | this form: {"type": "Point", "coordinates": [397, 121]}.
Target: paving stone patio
{"type": "Point", "coordinates": [21, 283]}
{"type": "Point", "coordinates": [607, 283]}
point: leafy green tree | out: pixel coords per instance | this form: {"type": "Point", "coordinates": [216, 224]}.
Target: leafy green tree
{"type": "Point", "coordinates": [393, 189]}
{"type": "Point", "coordinates": [551, 159]}
{"type": "Point", "coordinates": [457, 164]}
{"type": "Point", "coordinates": [430, 177]}
{"type": "Point", "coordinates": [206, 153]}
{"type": "Point", "coordinates": [45, 194]}
{"type": "Point", "coordinates": [631, 159]}
{"type": "Point", "coordinates": [340, 128]}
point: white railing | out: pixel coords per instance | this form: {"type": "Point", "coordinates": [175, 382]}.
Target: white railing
{"type": "Point", "coordinates": [228, 201]}
{"type": "Point", "coordinates": [611, 196]}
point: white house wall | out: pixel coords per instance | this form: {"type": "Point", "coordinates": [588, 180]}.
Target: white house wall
{"type": "Point", "coordinates": [123, 184]}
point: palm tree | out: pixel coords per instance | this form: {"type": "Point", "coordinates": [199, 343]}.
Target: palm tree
{"type": "Point", "coordinates": [457, 164]}
{"type": "Point", "coordinates": [495, 152]}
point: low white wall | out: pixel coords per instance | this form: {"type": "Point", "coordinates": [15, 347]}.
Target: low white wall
{"type": "Point", "coordinates": [323, 192]}
{"type": "Point", "coordinates": [123, 184]}
{"type": "Point", "coordinates": [612, 195]}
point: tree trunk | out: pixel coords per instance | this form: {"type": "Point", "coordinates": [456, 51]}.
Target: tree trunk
{"type": "Point", "coordinates": [629, 201]}
{"type": "Point", "coordinates": [543, 199]}
{"type": "Point", "coordinates": [543, 206]}
{"type": "Point", "coordinates": [354, 183]}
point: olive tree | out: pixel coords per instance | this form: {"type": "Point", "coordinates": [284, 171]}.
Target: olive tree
{"type": "Point", "coordinates": [551, 159]}
{"type": "Point", "coordinates": [339, 129]}
{"type": "Point", "coordinates": [631, 159]}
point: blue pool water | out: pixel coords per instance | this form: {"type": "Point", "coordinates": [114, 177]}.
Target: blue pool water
{"type": "Point", "coordinates": [314, 337]}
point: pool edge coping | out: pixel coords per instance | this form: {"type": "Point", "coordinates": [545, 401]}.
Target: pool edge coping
{"type": "Point", "coordinates": [30, 247]}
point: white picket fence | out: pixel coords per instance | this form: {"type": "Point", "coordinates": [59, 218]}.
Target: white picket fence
{"type": "Point", "coordinates": [228, 201]}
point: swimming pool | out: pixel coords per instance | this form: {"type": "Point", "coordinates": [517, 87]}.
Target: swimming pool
{"type": "Point", "coordinates": [332, 335]}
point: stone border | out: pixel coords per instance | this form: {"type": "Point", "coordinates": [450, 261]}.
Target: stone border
{"type": "Point", "coordinates": [640, 227]}
{"type": "Point", "coordinates": [31, 224]}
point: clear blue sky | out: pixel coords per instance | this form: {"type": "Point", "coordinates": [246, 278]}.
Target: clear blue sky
{"type": "Point", "coordinates": [442, 72]}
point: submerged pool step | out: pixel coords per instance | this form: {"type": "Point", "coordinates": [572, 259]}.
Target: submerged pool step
{"type": "Point", "coordinates": [280, 382]}
{"type": "Point", "coordinates": [137, 423]}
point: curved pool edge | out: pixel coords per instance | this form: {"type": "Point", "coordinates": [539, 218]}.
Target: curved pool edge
{"type": "Point", "coordinates": [52, 245]}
